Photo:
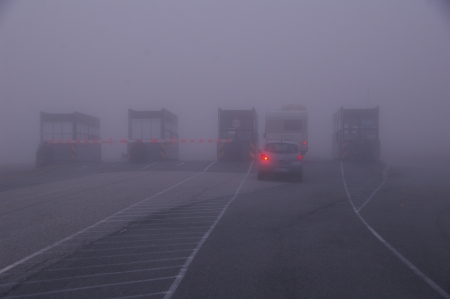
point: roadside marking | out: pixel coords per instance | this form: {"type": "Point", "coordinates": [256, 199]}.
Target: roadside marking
{"type": "Point", "coordinates": [82, 167]}
{"type": "Point", "coordinates": [180, 164]}
{"type": "Point", "coordinates": [183, 270]}
{"type": "Point", "coordinates": [410, 265]}
{"type": "Point", "coordinates": [43, 250]}
{"type": "Point", "coordinates": [149, 165]}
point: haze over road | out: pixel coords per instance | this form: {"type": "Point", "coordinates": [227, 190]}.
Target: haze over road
{"type": "Point", "coordinates": [211, 230]}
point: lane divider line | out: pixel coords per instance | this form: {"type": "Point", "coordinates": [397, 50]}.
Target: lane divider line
{"type": "Point", "coordinates": [370, 197]}
{"type": "Point", "coordinates": [183, 270]}
{"type": "Point", "coordinates": [43, 250]}
{"type": "Point", "coordinates": [410, 265]}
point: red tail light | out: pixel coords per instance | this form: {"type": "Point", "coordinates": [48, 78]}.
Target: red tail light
{"type": "Point", "coordinates": [304, 143]}
{"type": "Point", "coordinates": [264, 157]}
{"type": "Point", "coordinates": [299, 157]}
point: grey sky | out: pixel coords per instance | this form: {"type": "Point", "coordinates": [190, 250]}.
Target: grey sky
{"type": "Point", "coordinates": [191, 57]}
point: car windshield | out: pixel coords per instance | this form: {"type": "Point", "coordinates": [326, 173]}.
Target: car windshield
{"type": "Point", "coordinates": [281, 148]}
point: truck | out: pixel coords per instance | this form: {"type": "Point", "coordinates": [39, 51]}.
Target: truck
{"type": "Point", "coordinates": [238, 135]}
{"type": "Point", "coordinates": [153, 136]}
{"type": "Point", "coordinates": [356, 134]}
{"type": "Point", "coordinates": [290, 123]}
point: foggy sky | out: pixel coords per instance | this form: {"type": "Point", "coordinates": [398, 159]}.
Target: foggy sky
{"type": "Point", "coordinates": [191, 57]}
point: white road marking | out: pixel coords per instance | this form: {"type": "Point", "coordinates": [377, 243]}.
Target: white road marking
{"type": "Point", "coordinates": [23, 260]}
{"type": "Point", "coordinates": [151, 229]}
{"type": "Point", "coordinates": [149, 165]}
{"type": "Point", "coordinates": [183, 270]}
{"type": "Point", "coordinates": [139, 241]}
{"type": "Point", "coordinates": [410, 265]}
{"type": "Point", "coordinates": [180, 164]}
{"type": "Point", "coordinates": [120, 264]}
{"type": "Point", "coordinates": [92, 287]}
{"type": "Point", "coordinates": [100, 274]}
{"type": "Point", "coordinates": [148, 235]}
{"type": "Point", "coordinates": [370, 197]}
{"type": "Point", "coordinates": [82, 167]}
{"type": "Point", "coordinates": [121, 255]}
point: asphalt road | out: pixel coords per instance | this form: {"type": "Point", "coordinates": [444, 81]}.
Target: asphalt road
{"type": "Point", "coordinates": [212, 230]}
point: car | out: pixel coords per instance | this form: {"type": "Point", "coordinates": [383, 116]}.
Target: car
{"type": "Point", "coordinates": [280, 158]}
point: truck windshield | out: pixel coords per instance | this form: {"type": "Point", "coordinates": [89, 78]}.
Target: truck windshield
{"type": "Point", "coordinates": [283, 125]}
{"type": "Point", "coordinates": [281, 148]}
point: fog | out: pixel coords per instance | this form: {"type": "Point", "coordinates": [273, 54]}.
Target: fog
{"type": "Point", "coordinates": [192, 57]}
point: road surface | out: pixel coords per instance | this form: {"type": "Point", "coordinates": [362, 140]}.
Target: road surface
{"type": "Point", "coordinates": [212, 230]}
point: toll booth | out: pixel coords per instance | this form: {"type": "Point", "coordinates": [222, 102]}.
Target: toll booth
{"type": "Point", "coordinates": [356, 134]}
{"type": "Point", "coordinates": [71, 136]}
{"type": "Point", "coordinates": [153, 136]}
{"type": "Point", "coordinates": [238, 135]}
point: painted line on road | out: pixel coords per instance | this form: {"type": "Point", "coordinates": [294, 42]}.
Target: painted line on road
{"type": "Point", "coordinates": [148, 235]}
{"type": "Point", "coordinates": [139, 241]}
{"type": "Point", "coordinates": [410, 265]}
{"type": "Point", "coordinates": [83, 167]}
{"type": "Point", "coordinates": [153, 229]}
{"type": "Point", "coordinates": [136, 247]}
{"type": "Point", "coordinates": [100, 274]}
{"type": "Point", "coordinates": [183, 270]}
{"type": "Point", "coordinates": [120, 264]}
{"type": "Point", "coordinates": [90, 287]}
{"type": "Point", "coordinates": [39, 252]}
{"type": "Point", "coordinates": [167, 218]}
{"type": "Point", "coordinates": [121, 255]}
{"type": "Point", "coordinates": [370, 197]}
{"type": "Point", "coordinates": [149, 165]}
{"type": "Point", "coordinates": [180, 164]}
